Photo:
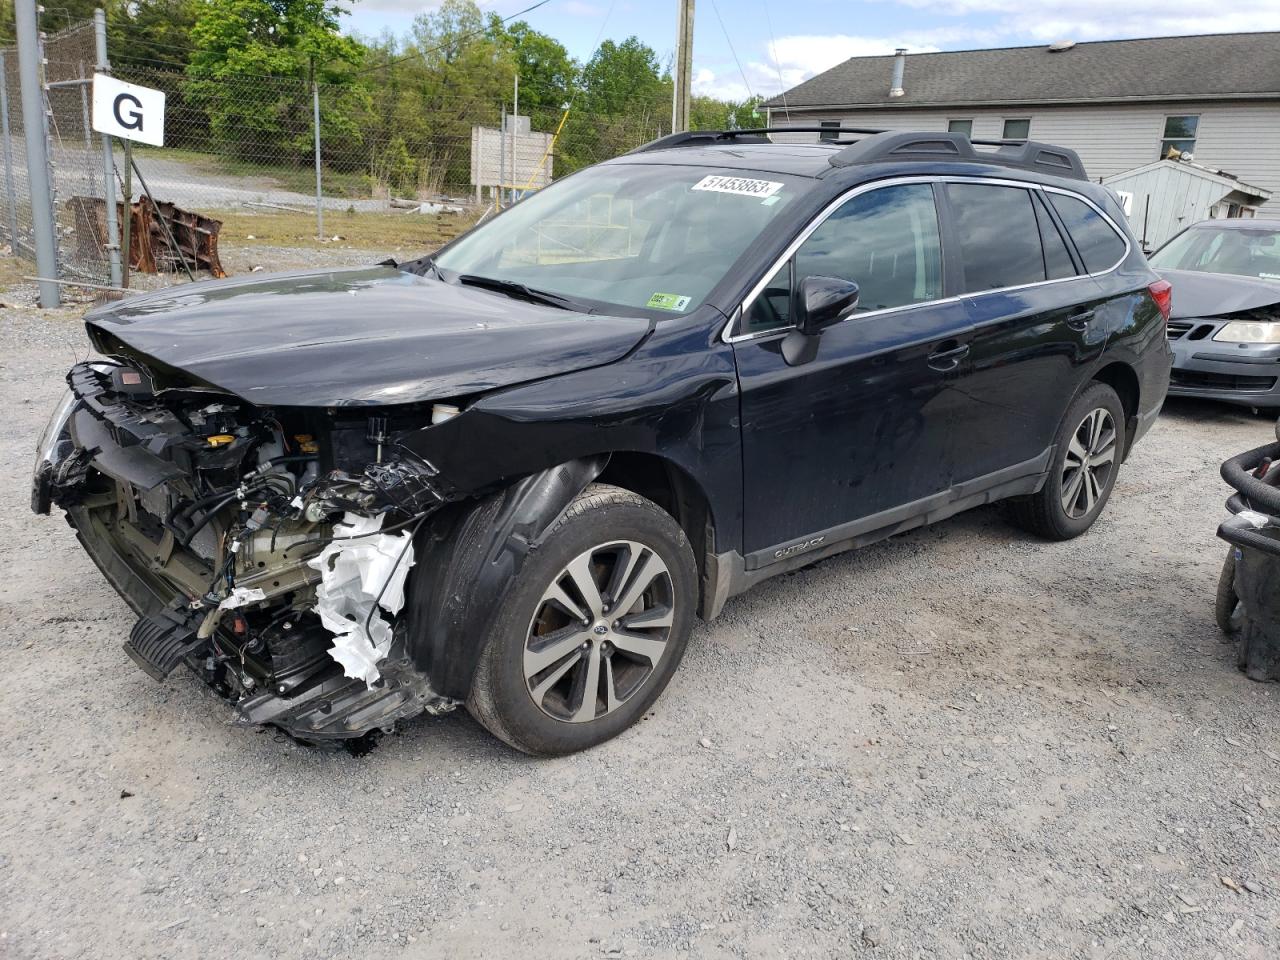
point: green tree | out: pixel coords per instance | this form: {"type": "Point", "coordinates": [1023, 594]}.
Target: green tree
{"type": "Point", "coordinates": [547, 72]}
{"type": "Point", "coordinates": [249, 66]}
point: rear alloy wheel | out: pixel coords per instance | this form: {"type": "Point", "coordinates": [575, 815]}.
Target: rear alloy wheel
{"type": "Point", "coordinates": [592, 628]}
{"type": "Point", "coordinates": [1090, 460]}
{"type": "Point", "coordinates": [1089, 446]}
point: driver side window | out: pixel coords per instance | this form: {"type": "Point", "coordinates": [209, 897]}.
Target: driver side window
{"type": "Point", "coordinates": [884, 240]}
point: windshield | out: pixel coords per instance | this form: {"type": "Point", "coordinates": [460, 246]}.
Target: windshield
{"type": "Point", "coordinates": [1241, 251]}
{"type": "Point", "coordinates": [631, 235]}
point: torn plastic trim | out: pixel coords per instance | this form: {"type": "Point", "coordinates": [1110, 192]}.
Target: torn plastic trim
{"type": "Point", "coordinates": [360, 572]}
{"type": "Point", "coordinates": [468, 561]}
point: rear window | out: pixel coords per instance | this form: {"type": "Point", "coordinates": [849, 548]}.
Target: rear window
{"type": "Point", "coordinates": [999, 236]}
{"type": "Point", "coordinates": [1099, 246]}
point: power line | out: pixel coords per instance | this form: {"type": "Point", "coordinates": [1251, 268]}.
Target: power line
{"type": "Point", "coordinates": [773, 50]}
{"type": "Point", "coordinates": [727, 40]}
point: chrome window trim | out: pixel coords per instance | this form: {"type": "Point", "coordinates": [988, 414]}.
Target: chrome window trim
{"type": "Point", "coordinates": [729, 337]}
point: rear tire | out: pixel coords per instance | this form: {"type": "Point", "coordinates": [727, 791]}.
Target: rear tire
{"type": "Point", "coordinates": [1082, 475]}
{"type": "Point", "coordinates": [593, 628]}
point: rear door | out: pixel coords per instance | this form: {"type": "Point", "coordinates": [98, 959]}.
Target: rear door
{"type": "Point", "coordinates": [1033, 311]}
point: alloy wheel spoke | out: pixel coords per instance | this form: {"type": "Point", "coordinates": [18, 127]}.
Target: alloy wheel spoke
{"type": "Point", "coordinates": [558, 595]}
{"type": "Point", "coordinates": [1071, 494]}
{"type": "Point", "coordinates": [590, 685]}
{"type": "Point", "coordinates": [646, 647]}
{"type": "Point", "coordinates": [1106, 456]}
{"type": "Point", "coordinates": [559, 644]}
{"type": "Point", "coordinates": [1076, 451]}
{"type": "Point", "coordinates": [1095, 428]}
{"type": "Point", "coordinates": [649, 619]}
{"type": "Point", "coordinates": [649, 569]}
{"type": "Point", "coordinates": [611, 701]}
{"type": "Point", "coordinates": [584, 579]}
{"type": "Point", "coordinates": [1090, 490]}
{"type": "Point", "coordinates": [540, 691]}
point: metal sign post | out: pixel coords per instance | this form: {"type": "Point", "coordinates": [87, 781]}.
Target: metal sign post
{"type": "Point", "coordinates": [33, 126]}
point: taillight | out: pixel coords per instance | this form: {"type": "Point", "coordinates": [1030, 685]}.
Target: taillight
{"type": "Point", "coordinates": [1162, 294]}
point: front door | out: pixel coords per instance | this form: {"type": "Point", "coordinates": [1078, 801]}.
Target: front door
{"type": "Point", "coordinates": [860, 424]}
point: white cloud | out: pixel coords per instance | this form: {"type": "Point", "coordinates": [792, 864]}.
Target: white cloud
{"type": "Point", "coordinates": [793, 59]}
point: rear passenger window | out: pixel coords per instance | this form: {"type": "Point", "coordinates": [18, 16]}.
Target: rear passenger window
{"type": "Point", "coordinates": [999, 236]}
{"type": "Point", "coordinates": [1057, 261]}
{"type": "Point", "coordinates": [1099, 246]}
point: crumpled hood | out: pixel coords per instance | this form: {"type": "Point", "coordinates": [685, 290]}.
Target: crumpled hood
{"type": "Point", "coordinates": [1199, 294]}
{"type": "Point", "coordinates": [372, 335]}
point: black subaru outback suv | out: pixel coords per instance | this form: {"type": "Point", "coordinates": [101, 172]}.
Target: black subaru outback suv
{"type": "Point", "coordinates": [511, 473]}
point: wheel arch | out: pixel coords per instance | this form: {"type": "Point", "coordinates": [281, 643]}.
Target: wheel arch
{"type": "Point", "coordinates": [1123, 379]}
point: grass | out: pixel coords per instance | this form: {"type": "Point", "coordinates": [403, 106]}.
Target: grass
{"type": "Point", "coordinates": [376, 231]}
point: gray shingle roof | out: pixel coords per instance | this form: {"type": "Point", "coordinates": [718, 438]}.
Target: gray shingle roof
{"type": "Point", "coordinates": [1212, 66]}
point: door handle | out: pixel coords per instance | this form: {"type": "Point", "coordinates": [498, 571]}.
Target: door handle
{"type": "Point", "coordinates": [1078, 321]}
{"type": "Point", "coordinates": [948, 355]}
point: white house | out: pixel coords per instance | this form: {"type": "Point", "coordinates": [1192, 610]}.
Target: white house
{"type": "Point", "coordinates": [1119, 103]}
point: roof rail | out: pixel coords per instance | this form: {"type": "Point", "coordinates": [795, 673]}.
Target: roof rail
{"type": "Point", "coordinates": [887, 145]}
{"type": "Point", "coordinates": [1026, 154]}
{"type": "Point", "coordinates": [698, 138]}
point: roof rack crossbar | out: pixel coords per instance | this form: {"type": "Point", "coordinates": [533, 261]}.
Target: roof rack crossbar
{"type": "Point", "coordinates": [902, 145]}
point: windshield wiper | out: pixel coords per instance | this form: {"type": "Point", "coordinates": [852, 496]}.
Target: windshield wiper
{"type": "Point", "coordinates": [513, 289]}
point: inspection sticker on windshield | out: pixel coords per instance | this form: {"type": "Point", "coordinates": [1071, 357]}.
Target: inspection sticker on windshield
{"type": "Point", "coordinates": [667, 301]}
{"type": "Point", "coordinates": [739, 185]}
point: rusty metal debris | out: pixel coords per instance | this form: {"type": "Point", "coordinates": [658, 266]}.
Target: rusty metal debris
{"type": "Point", "coordinates": [195, 236]}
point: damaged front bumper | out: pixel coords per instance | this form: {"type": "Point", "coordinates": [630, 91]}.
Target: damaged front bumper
{"type": "Point", "coordinates": [259, 598]}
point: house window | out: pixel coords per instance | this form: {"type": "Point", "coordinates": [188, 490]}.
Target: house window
{"type": "Point", "coordinates": [1019, 129]}
{"type": "Point", "coordinates": [1179, 135]}
{"type": "Point", "coordinates": [830, 130]}
{"type": "Point", "coordinates": [960, 126]}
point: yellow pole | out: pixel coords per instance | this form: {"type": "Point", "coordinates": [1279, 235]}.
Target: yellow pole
{"type": "Point", "coordinates": [550, 146]}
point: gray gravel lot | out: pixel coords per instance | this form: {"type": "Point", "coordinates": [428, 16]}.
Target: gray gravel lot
{"type": "Point", "coordinates": [958, 743]}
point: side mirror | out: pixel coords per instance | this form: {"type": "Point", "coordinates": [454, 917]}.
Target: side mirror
{"type": "Point", "coordinates": [824, 301]}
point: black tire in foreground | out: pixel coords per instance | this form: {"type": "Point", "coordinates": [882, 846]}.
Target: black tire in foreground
{"type": "Point", "coordinates": [593, 628]}
{"type": "Point", "coordinates": [1090, 444]}
{"type": "Point", "coordinates": [1227, 613]}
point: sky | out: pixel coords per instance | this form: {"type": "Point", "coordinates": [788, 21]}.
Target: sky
{"type": "Point", "coordinates": [745, 47]}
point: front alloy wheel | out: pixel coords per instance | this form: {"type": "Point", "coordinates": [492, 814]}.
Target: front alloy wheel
{"type": "Point", "coordinates": [592, 627]}
{"type": "Point", "coordinates": [600, 631]}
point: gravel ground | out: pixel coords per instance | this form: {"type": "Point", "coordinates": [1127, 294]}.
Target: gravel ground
{"type": "Point", "coordinates": [958, 743]}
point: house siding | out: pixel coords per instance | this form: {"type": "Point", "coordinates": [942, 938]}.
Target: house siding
{"type": "Point", "coordinates": [1240, 137]}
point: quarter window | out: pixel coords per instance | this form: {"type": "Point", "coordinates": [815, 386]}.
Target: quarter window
{"type": "Point", "coordinates": [999, 236]}
{"type": "Point", "coordinates": [1098, 244]}
{"type": "Point", "coordinates": [1057, 260]}
{"type": "Point", "coordinates": [1179, 135]}
{"type": "Point", "coordinates": [1019, 129]}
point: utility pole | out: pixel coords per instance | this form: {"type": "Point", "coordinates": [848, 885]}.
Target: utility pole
{"type": "Point", "coordinates": [33, 126]}
{"type": "Point", "coordinates": [684, 67]}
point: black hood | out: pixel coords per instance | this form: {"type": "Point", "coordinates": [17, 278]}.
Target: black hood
{"type": "Point", "coordinates": [373, 335]}
{"type": "Point", "coordinates": [1199, 294]}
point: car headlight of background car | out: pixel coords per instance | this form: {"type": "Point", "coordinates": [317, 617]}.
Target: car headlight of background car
{"type": "Point", "coordinates": [1249, 331]}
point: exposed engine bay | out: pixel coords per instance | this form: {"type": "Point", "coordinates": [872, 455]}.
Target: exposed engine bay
{"type": "Point", "coordinates": [266, 549]}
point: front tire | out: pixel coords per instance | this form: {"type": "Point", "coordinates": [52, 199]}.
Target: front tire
{"type": "Point", "coordinates": [592, 629]}
{"type": "Point", "coordinates": [1082, 475]}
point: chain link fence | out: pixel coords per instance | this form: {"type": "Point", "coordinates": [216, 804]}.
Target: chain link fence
{"type": "Point", "coordinates": [242, 151]}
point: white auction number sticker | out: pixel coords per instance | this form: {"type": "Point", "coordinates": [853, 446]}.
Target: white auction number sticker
{"type": "Point", "coordinates": [718, 183]}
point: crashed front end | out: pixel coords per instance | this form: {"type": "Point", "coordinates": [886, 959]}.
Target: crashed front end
{"type": "Point", "coordinates": [266, 549]}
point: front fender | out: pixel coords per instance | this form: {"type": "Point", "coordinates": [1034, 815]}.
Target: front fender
{"type": "Point", "coordinates": [466, 561]}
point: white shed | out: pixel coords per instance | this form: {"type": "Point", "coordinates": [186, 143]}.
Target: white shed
{"type": "Point", "coordinates": [1163, 197]}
